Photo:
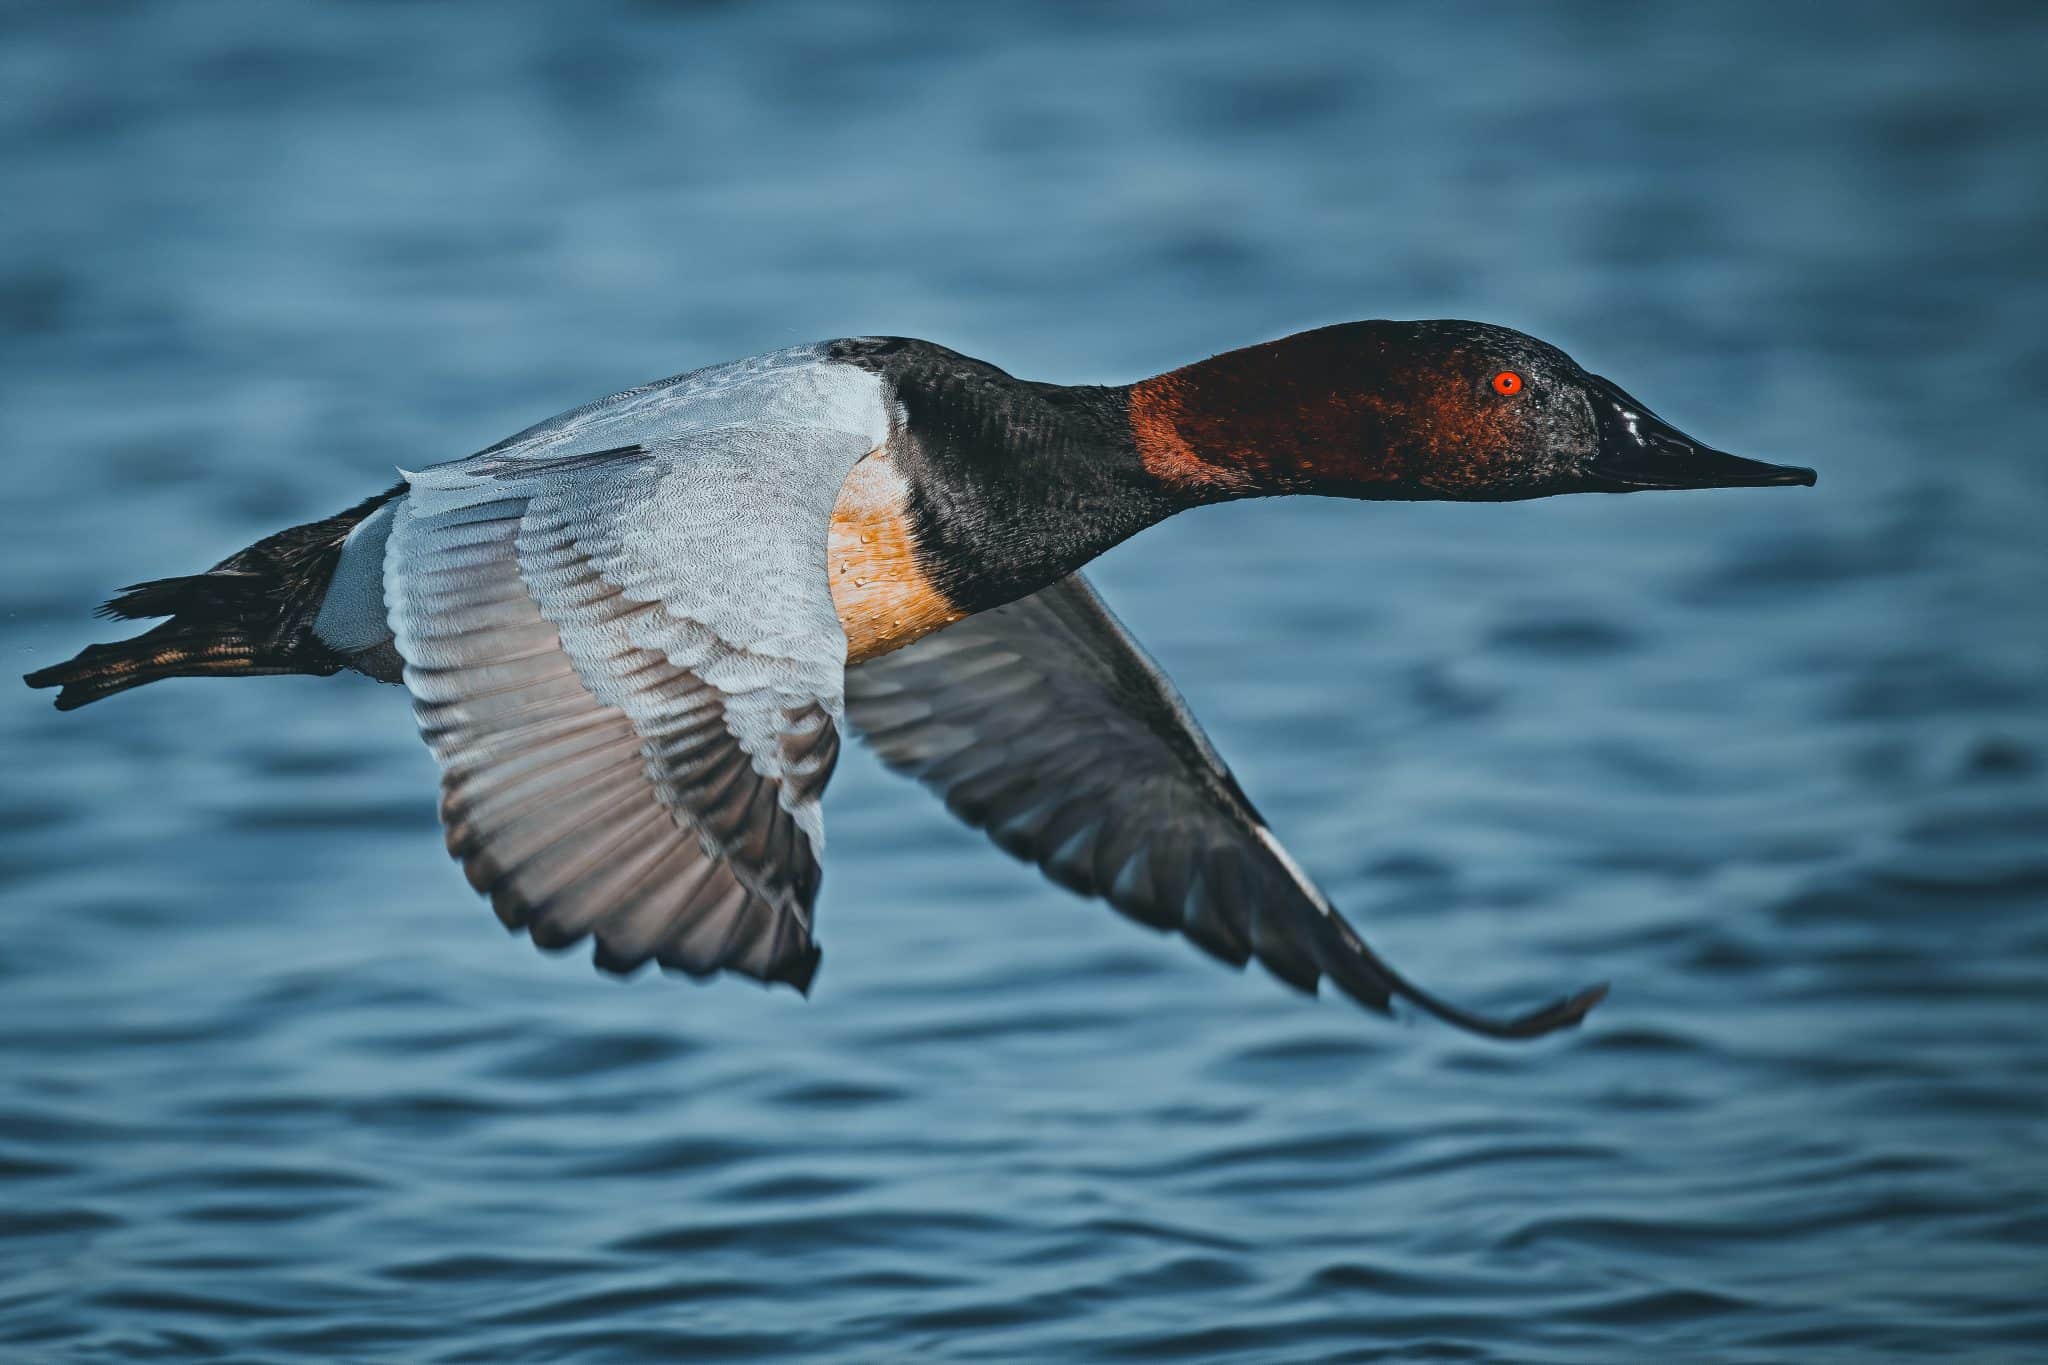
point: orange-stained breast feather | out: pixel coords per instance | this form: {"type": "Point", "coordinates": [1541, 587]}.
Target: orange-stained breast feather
{"type": "Point", "coordinates": [883, 597]}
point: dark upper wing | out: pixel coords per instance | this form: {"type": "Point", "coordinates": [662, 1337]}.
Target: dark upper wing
{"type": "Point", "coordinates": [1043, 723]}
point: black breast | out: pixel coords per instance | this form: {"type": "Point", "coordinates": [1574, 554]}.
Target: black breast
{"type": "Point", "coordinates": [1013, 484]}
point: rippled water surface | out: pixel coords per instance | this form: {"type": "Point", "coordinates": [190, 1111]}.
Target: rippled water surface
{"type": "Point", "coordinates": [1775, 762]}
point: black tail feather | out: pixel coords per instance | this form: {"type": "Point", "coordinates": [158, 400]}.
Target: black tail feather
{"type": "Point", "coordinates": [250, 614]}
{"type": "Point", "coordinates": [201, 592]}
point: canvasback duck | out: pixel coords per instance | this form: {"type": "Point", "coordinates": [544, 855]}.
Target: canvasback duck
{"type": "Point", "coordinates": [632, 633]}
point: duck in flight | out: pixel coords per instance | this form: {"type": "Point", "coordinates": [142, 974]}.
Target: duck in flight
{"type": "Point", "coordinates": [633, 633]}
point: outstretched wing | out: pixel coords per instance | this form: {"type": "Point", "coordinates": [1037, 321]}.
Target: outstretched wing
{"type": "Point", "coordinates": [627, 662]}
{"type": "Point", "coordinates": [1043, 723]}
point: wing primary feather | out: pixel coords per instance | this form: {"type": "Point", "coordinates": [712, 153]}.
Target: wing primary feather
{"type": "Point", "coordinates": [1044, 724]}
{"type": "Point", "coordinates": [1565, 1013]}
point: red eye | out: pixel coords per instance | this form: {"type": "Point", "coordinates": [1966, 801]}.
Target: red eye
{"type": "Point", "coordinates": [1507, 383]}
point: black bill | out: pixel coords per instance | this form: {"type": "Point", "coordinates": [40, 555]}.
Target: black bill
{"type": "Point", "coordinates": [1640, 450]}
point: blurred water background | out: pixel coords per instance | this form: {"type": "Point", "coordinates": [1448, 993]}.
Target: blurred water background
{"type": "Point", "coordinates": [275, 1087]}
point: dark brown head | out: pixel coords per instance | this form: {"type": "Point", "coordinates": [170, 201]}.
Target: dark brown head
{"type": "Point", "coordinates": [1440, 410]}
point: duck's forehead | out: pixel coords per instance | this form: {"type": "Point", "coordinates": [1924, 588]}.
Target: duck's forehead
{"type": "Point", "coordinates": [1505, 343]}
{"type": "Point", "coordinates": [1535, 351]}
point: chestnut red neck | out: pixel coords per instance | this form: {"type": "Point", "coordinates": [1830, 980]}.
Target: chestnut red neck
{"type": "Point", "coordinates": [1355, 410]}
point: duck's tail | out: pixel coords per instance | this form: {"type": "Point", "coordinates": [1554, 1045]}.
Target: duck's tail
{"type": "Point", "coordinates": [252, 613]}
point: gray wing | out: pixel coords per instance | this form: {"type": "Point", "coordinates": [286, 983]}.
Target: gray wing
{"type": "Point", "coordinates": [627, 663]}
{"type": "Point", "coordinates": [1043, 723]}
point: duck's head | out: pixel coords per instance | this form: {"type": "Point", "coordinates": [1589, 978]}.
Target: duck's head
{"type": "Point", "coordinates": [1461, 411]}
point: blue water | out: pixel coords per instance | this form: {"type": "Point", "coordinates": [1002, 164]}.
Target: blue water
{"type": "Point", "coordinates": [1775, 762]}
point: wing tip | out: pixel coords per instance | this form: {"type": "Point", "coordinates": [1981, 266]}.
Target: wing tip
{"type": "Point", "coordinates": [801, 968]}
{"type": "Point", "coordinates": [1558, 1015]}
{"type": "Point", "coordinates": [1569, 1012]}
